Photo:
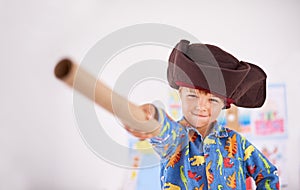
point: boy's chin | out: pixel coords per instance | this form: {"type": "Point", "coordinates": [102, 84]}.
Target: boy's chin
{"type": "Point", "coordinates": [202, 124]}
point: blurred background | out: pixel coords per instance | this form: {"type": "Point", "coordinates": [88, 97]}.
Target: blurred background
{"type": "Point", "coordinates": [40, 144]}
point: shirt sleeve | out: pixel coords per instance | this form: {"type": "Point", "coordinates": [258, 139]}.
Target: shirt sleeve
{"type": "Point", "coordinates": [167, 141]}
{"type": "Point", "coordinates": [260, 168]}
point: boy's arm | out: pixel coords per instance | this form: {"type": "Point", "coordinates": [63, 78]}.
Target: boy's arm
{"type": "Point", "coordinates": [260, 168]}
{"type": "Point", "coordinates": [169, 136]}
{"type": "Point", "coordinates": [172, 137]}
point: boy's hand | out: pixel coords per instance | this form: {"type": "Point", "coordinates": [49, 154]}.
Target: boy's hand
{"type": "Point", "coordinates": [150, 111]}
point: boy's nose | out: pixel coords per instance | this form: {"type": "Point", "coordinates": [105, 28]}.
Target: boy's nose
{"type": "Point", "coordinates": [203, 103]}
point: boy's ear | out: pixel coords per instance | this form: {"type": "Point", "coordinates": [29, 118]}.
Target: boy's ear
{"type": "Point", "coordinates": [224, 107]}
{"type": "Point", "coordinates": [180, 91]}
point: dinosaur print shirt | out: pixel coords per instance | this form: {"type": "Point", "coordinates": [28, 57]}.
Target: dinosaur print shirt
{"type": "Point", "coordinates": [222, 160]}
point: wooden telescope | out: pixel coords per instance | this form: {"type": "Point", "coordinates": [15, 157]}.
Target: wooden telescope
{"type": "Point", "coordinates": [130, 114]}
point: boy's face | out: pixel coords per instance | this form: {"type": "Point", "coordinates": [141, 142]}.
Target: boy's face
{"type": "Point", "coordinates": [200, 108]}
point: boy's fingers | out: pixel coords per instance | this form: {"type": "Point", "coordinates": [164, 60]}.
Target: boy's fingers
{"type": "Point", "coordinates": [149, 110]}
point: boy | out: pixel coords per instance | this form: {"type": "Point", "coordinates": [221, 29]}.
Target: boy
{"type": "Point", "coordinates": [196, 152]}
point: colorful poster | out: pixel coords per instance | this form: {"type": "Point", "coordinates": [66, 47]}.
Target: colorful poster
{"type": "Point", "coordinates": [269, 121]}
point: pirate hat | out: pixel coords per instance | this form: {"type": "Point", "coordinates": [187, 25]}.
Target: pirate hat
{"type": "Point", "coordinates": [208, 67]}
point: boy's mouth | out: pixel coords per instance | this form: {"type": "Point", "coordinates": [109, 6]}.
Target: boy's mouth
{"type": "Point", "coordinates": [200, 115]}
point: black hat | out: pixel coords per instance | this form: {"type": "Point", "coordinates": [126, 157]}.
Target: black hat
{"type": "Point", "coordinates": [208, 67]}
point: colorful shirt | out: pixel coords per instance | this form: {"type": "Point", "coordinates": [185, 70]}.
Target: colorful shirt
{"type": "Point", "coordinates": [222, 160]}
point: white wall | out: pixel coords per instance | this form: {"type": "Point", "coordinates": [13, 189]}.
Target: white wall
{"type": "Point", "coordinates": [41, 147]}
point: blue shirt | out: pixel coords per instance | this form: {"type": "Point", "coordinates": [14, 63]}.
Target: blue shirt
{"type": "Point", "coordinates": [222, 160]}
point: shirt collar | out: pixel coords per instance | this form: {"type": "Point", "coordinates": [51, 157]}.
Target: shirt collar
{"type": "Point", "coordinates": [220, 131]}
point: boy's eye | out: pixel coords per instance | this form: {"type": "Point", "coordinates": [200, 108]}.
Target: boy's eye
{"type": "Point", "coordinates": [192, 95]}
{"type": "Point", "coordinates": [214, 100]}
